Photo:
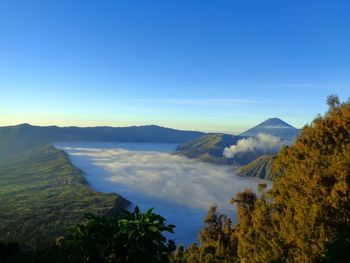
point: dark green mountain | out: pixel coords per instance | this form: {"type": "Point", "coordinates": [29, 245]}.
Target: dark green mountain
{"type": "Point", "coordinates": [17, 139]}
{"type": "Point", "coordinates": [260, 167]}
{"type": "Point", "coordinates": [42, 193]}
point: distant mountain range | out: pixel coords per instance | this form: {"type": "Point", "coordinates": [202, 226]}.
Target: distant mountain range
{"type": "Point", "coordinates": [275, 127]}
{"type": "Point", "coordinates": [20, 138]}
{"type": "Point", "coordinates": [193, 144]}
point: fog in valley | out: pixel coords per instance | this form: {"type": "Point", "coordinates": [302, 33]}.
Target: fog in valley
{"type": "Point", "coordinates": [151, 175]}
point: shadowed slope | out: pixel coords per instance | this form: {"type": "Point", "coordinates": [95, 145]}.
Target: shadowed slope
{"type": "Point", "coordinates": [260, 167]}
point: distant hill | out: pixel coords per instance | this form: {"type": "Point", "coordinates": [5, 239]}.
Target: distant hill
{"type": "Point", "coordinates": [209, 148]}
{"type": "Point", "coordinates": [19, 138]}
{"type": "Point", "coordinates": [275, 127]}
{"type": "Point", "coordinates": [260, 167]}
{"type": "Point", "coordinates": [42, 194]}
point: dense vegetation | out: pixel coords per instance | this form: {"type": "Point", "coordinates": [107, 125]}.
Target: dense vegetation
{"type": "Point", "coordinates": [134, 237]}
{"type": "Point", "coordinates": [128, 237]}
{"type": "Point", "coordinates": [304, 217]}
{"type": "Point", "coordinates": [42, 193]}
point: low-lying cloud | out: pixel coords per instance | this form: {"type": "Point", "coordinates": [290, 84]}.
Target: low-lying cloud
{"type": "Point", "coordinates": [181, 189]}
{"type": "Point", "coordinates": [262, 142]}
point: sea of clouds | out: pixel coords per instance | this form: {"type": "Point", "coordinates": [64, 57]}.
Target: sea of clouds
{"type": "Point", "coordinates": [150, 175]}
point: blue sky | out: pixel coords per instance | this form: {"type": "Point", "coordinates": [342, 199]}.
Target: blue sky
{"type": "Point", "coordinates": [202, 65]}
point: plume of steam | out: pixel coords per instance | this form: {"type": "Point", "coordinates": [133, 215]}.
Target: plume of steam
{"type": "Point", "coordinates": [262, 142]}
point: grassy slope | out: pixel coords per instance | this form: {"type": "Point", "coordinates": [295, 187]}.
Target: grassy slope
{"type": "Point", "coordinates": [208, 148]}
{"type": "Point", "coordinates": [42, 193]}
{"type": "Point", "coordinates": [261, 167]}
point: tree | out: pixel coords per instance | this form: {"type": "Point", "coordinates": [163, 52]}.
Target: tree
{"type": "Point", "coordinates": [311, 197]}
{"type": "Point", "coordinates": [305, 216]}
{"type": "Point", "coordinates": [136, 237]}
{"type": "Point", "coordinates": [218, 239]}
{"type": "Point", "coordinates": [218, 242]}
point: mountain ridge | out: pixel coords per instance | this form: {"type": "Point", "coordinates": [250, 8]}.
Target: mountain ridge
{"type": "Point", "coordinates": [19, 138]}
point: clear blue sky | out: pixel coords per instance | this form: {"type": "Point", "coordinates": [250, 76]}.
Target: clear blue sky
{"type": "Point", "coordinates": [203, 65]}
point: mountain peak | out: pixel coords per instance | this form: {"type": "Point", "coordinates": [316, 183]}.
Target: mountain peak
{"type": "Point", "coordinates": [24, 125]}
{"type": "Point", "coordinates": [275, 127]}
{"type": "Point", "coordinates": [275, 122]}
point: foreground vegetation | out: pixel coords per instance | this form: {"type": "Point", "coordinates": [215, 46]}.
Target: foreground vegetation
{"type": "Point", "coordinates": [304, 217]}
{"type": "Point", "coordinates": [42, 194]}
{"type": "Point", "coordinates": [128, 237]}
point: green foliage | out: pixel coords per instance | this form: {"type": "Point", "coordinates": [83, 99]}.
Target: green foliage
{"type": "Point", "coordinates": [191, 254]}
{"type": "Point", "coordinates": [305, 217]}
{"type": "Point", "coordinates": [42, 194]}
{"type": "Point", "coordinates": [218, 238]}
{"type": "Point", "coordinates": [218, 242]}
{"type": "Point", "coordinates": [135, 237]}
{"type": "Point", "coordinates": [311, 198]}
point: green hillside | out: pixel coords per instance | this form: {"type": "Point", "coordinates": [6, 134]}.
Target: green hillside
{"type": "Point", "coordinates": [260, 167]}
{"type": "Point", "coordinates": [42, 193]}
